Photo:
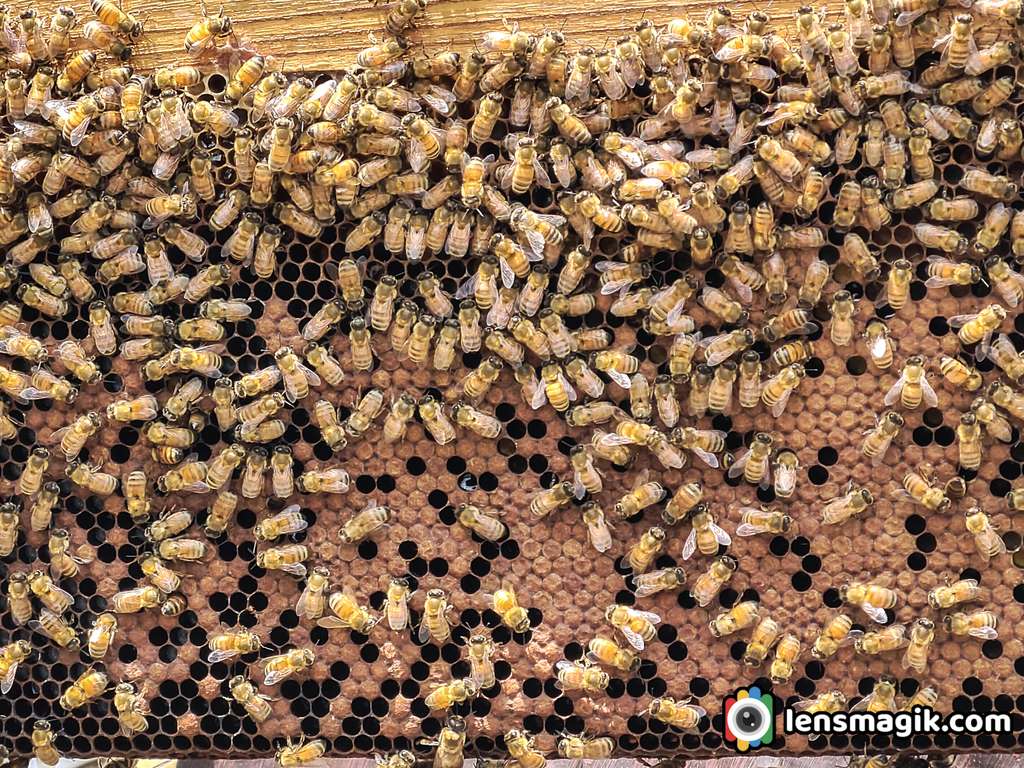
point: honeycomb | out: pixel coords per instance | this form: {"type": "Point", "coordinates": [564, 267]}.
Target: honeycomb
{"type": "Point", "coordinates": [365, 694]}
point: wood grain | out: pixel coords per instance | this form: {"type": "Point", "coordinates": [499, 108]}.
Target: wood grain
{"type": "Point", "coordinates": [318, 35]}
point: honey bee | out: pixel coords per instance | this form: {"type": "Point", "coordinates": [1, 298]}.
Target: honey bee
{"type": "Point", "coordinates": [681, 714]}
{"type": "Point", "coordinates": [980, 624]}
{"type": "Point", "coordinates": [711, 581]}
{"type": "Point", "coordinates": [705, 535]}
{"type": "Point", "coordinates": [522, 750]}
{"type": "Point", "coordinates": [873, 599]}
{"type": "Point", "coordinates": [506, 605]}
{"type": "Point", "coordinates": [255, 704]}
{"type": "Point", "coordinates": [11, 655]}
{"type": "Point", "coordinates": [43, 740]}
{"type": "Point", "coordinates": [284, 665]}
{"type": "Point", "coordinates": [88, 687]}
{"type": "Point", "coordinates": [435, 420]}
{"type": "Point", "coordinates": [18, 594]}
{"type": "Point", "coordinates": [753, 464]}
{"type": "Point", "coordinates": [229, 644]}
{"type": "Point", "coordinates": [600, 650]}
{"type": "Point", "coordinates": [852, 503]}
{"type": "Point", "coordinates": [986, 539]}
{"type": "Point", "coordinates": [787, 651]}
{"type": "Point", "coordinates": [836, 634]}
{"type": "Point", "coordinates": [301, 753]}
{"type": "Point", "coordinates": [365, 523]}
{"type": "Point", "coordinates": [448, 694]}
{"type": "Point", "coordinates": [581, 676]}
{"type": "Point", "coordinates": [638, 627]}
{"type": "Point", "coordinates": [63, 564]}
{"type": "Point", "coordinates": [912, 387]}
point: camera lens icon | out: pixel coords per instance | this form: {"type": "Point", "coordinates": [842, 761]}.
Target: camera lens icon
{"type": "Point", "coordinates": [749, 719]}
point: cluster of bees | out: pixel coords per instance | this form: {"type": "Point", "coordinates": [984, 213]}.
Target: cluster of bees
{"type": "Point", "coordinates": [659, 141]}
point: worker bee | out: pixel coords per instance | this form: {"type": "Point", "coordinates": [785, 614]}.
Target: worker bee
{"type": "Point", "coordinates": [600, 650]}
{"type": "Point", "coordinates": [302, 752]}
{"type": "Point", "coordinates": [288, 521]}
{"type": "Point", "coordinates": [523, 751]}
{"type": "Point", "coordinates": [787, 651]}
{"type": "Point", "coordinates": [986, 539]}
{"type": "Point", "coordinates": [884, 640]}
{"type": "Point", "coordinates": [836, 634]}
{"type": "Point", "coordinates": [681, 714]}
{"type": "Point", "coordinates": [281, 666]}
{"type": "Point", "coordinates": [313, 598]}
{"type": "Point", "coordinates": [229, 644]}
{"type": "Point", "coordinates": [287, 557]}
{"type": "Point", "coordinates": [705, 535]}
{"type": "Point", "coordinates": [11, 655]}
{"type": "Point", "coordinates": [88, 687]}
{"type": "Point", "coordinates": [483, 523]}
{"type": "Point", "coordinates": [873, 599]}
{"type": "Point", "coordinates": [365, 523]}
{"type": "Point", "coordinates": [753, 464]}
{"type": "Point", "coordinates": [18, 594]}
{"type": "Point", "coordinates": [255, 704]}
{"type": "Point", "coordinates": [709, 583]}
{"type": "Point", "coordinates": [581, 676]}
{"type": "Point", "coordinates": [852, 503]}
{"type": "Point", "coordinates": [638, 627]}
{"type": "Point", "coordinates": [922, 634]}
{"type": "Point", "coordinates": [880, 348]}
{"type": "Point", "coordinates": [912, 387]}
{"type": "Point", "coordinates": [454, 691]}
{"type": "Point", "coordinates": [63, 564]}
{"type": "Point", "coordinates": [43, 740]}
{"type": "Point", "coordinates": [980, 624]}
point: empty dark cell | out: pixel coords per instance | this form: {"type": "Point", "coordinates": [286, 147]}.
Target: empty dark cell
{"type": "Point", "coordinates": [925, 543]}
{"type": "Point", "coordinates": [367, 549]}
{"type": "Point", "coordinates": [923, 436]}
{"type": "Point", "coordinates": [818, 474]}
{"type": "Point", "coordinates": [779, 546]}
{"type": "Point", "coordinates": [699, 687]}
{"type": "Point", "coordinates": [415, 466]}
{"type": "Point", "coordinates": [856, 365]}
{"type": "Point", "coordinates": [488, 482]}
{"type": "Point", "coordinates": [999, 487]}
{"type": "Point", "coordinates": [616, 688]}
{"type": "Point", "coordinates": [944, 436]}
{"type": "Point", "coordinates": [1009, 470]}
{"type": "Point", "coordinates": [340, 671]}
{"type": "Point", "coordinates": [505, 411]}
{"type": "Point", "coordinates": [532, 687]}
{"type": "Point", "coordinates": [469, 584]}
{"type": "Point", "coordinates": [916, 561]}
{"type": "Point", "coordinates": [456, 465]}
{"type": "Point", "coordinates": [516, 429]}
{"type": "Point", "coordinates": [536, 429]}
{"type": "Point", "coordinates": [828, 456]}
{"type": "Point", "coordinates": [811, 564]}
{"type": "Point", "coordinates": [517, 464]}
{"type": "Point", "coordinates": [437, 499]}
{"type": "Point", "coordinates": [365, 484]}
{"type": "Point", "coordinates": [801, 581]}
{"type": "Point", "coordinates": [538, 463]}
{"type": "Point", "coordinates": [992, 649]}
{"type": "Point", "coordinates": [489, 550]}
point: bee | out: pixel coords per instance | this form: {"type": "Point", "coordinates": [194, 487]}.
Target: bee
{"type": "Point", "coordinates": [755, 521]}
{"type": "Point", "coordinates": [43, 743]}
{"type": "Point", "coordinates": [912, 387]}
{"type": "Point", "coordinates": [836, 634]}
{"type": "Point", "coordinates": [286, 522]}
{"type": "Point", "coordinates": [88, 687]}
{"type": "Point", "coordinates": [522, 750]}
{"type": "Point", "coordinates": [229, 644]}
{"type": "Point", "coordinates": [301, 753]}
{"type": "Point", "coordinates": [762, 639]}
{"type": "Point", "coordinates": [131, 707]}
{"type": "Point", "coordinates": [681, 714]}
{"type": "Point", "coordinates": [600, 650]}
{"type": "Point", "coordinates": [980, 624]}
{"type": "Point", "coordinates": [876, 337]}
{"type": "Point", "coordinates": [986, 539]}
{"type": "Point", "coordinates": [284, 665]}
{"type": "Point", "coordinates": [11, 656]}
{"type": "Point", "coordinates": [584, 748]}
{"type": "Point", "coordinates": [638, 627]}
{"type": "Point", "coordinates": [255, 704]}
{"type": "Point", "coordinates": [705, 535]}
{"type": "Point", "coordinates": [63, 564]}
{"type": "Point", "coordinates": [741, 616]}
{"type": "Point", "coordinates": [890, 638]}
{"type": "Point", "coordinates": [581, 676]}
{"type": "Point", "coordinates": [453, 692]}
{"type": "Point", "coordinates": [365, 523]}
{"type": "Point", "coordinates": [506, 605]}
{"type": "Point", "coordinates": [753, 464]}
{"type": "Point", "coordinates": [787, 651]}
{"type": "Point", "coordinates": [871, 598]}
{"type": "Point", "coordinates": [883, 696]}
{"type": "Point", "coordinates": [18, 595]}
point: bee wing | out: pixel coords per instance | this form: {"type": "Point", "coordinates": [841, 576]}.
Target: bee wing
{"type": "Point", "coordinates": [330, 622]}
{"type": "Point", "coordinates": [8, 679]}
{"type": "Point", "coordinates": [508, 277]}
{"type": "Point", "coordinates": [275, 676]}
{"type": "Point", "coordinates": [563, 172]}
{"type": "Point", "coordinates": [983, 347]}
{"type": "Point", "coordinates": [439, 99]}
{"type": "Point", "coordinates": [780, 404]}
{"type": "Point", "coordinates": [295, 569]}
{"type": "Point", "coordinates": [690, 545]}
{"type": "Point", "coordinates": [907, 18]}
{"type": "Point", "coordinates": [877, 346]}
{"type": "Point", "coordinates": [803, 704]}
{"type": "Point", "coordinates": [958, 320]}
{"type": "Point", "coordinates": [541, 175]}
{"type": "Point", "coordinates": [737, 468]}
{"type": "Point", "coordinates": [620, 378]}
{"type": "Point", "coordinates": [632, 638]}
{"type": "Point", "coordinates": [416, 155]}
{"type": "Point", "coordinates": [743, 291]}
{"type": "Point", "coordinates": [708, 458]}
{"type": "Point", "coordinates": [930, 398]}
{"type": "Point", "coordinates": [423, 633]}
{"type": "Point", "coordinates": [221, 655]}
{"type": "Point", "coordinates": [504, 176]}
{"type": "Point", "coordinates": [535, 240]}
{"type": "Point", "coordinates": [613, 439]}
{"type": "Point", "coordinates": [305, 605]}
{"type": "Point", "coordinates": [567, 386]}
{"type": "Point", "coordinates": [468, 287]}
{"type": "Point", "coordinates": [540, 397]}
{"type": "Point", "coordinates": [650, 616]}
{"type": "Point", "coordinates": [863, 703]}
{"type": "Point", "coordinates": [894, 392]}
{"type": "Point", "coordinates": [749, 529]}
{"type": "Point", "coordinates": [877, 614]}
{"type": "Point", "coordinates": [851, 636]}
{"type": "Point", "coordinates": [983, 633]}
{"type": "Point", "coordinates": [577, 487]}
{"type": "Point", "coordinates": [721, 536]}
